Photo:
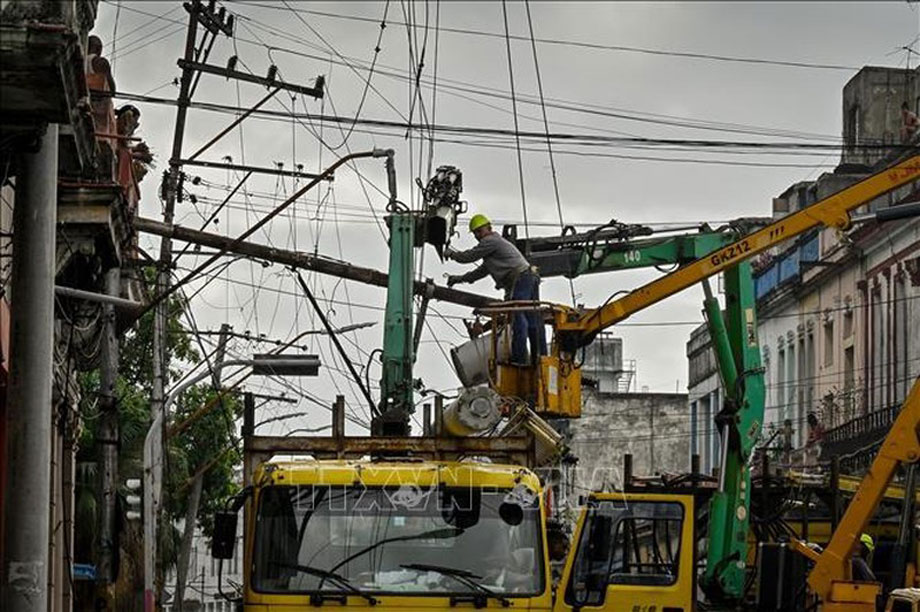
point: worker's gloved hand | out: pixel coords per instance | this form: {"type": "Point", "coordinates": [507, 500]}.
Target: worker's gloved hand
{"type": "Point", "coordinates": [453, 280]}
{"type": "Point", "coordinates": [449, 252]}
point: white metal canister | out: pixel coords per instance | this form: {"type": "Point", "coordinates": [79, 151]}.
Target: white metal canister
{"type": "Point", "coordinates": [471, 359]}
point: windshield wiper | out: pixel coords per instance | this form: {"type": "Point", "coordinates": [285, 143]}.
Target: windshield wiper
{"type": "Point", "coordinates": [463, 577]}
{"type": "Point", "coordinates": [342, 581]}
{"type": "Point", "coordinates": [434, 534]}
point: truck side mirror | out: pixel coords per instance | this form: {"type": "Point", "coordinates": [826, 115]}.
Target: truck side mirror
{"type": "Point", "coordinates": [223, 543]}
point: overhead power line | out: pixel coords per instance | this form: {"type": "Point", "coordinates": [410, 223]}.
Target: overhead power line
{"type": "Point", "coordinates": [121, 38]}
{"type": "Point", "coordinates": [517, 131]}
{"type": "Point", "coordinates": [370, 74]}
{"type": "Point", "coordinates": [537, 136]}
{"type": "Point", "coordinates": [589, 45]}
{"type": "Point", "coordinates": [467, 90]}
{"type": "Point", "coordinates": [585, 140]}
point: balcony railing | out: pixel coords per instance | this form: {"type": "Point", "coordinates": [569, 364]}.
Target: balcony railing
{"type": "Point", "coordinates": [859, 435]}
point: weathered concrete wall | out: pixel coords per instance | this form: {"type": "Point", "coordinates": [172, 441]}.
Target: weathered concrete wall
{"type": "Point", "coordinates": [654, 427]}
{"type": "Point", "coordinates": [603, 363]}
{"type": "Point", "coordinates": [872, 110]}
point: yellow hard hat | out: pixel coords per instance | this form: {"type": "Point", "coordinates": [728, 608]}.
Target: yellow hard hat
{"type": "Point", "coordinates": [479, 221]}
{"type": "Point", "coordinates": [867, 540]}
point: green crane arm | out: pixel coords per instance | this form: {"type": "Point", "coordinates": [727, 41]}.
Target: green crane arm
{"type": "Point", "coordinates": [616, 247]}
{"type": "Point", "coordinates": [740, 421]}
{"type": "Point", "coordinates": [396, 386]}
{"type": "Point", "coordinates": [398, 352]}
{"type": "Point", "coordinates": [410, 230]}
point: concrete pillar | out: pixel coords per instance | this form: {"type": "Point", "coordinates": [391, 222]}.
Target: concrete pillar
{"type": "Point", "coordinates": [25, 574]}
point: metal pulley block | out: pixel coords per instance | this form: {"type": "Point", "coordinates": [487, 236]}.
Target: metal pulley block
{"type": "Point", "coordinates": [477, 409]}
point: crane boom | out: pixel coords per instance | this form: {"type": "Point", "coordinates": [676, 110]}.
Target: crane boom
{"type": "Point", "coordinates": [575, 329]}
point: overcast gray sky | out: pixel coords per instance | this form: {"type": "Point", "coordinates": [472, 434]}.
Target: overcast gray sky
{"type": "Point", "coordinates": [596, 81]}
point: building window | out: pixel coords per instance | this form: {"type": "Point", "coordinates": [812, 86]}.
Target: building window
{"type": "Point", "coordinates": [798, 392]}
{"type": "Point", "coordinates": [807, 375]}
{"type": "Point", "coordinates": [781, 384]}
{"type": "Point", "coordinates": [849, 383]}
{"type": "Point", "coordinates": [848, 322]}
{"type": "Point", "coordinates": [694, 430]}
{"type": "Point", "coordinates": [767, 377]}
{"type": "Point", "coordinates": [900, 336]}
{"type": "Point", "coordinates": [705, 432]}
{"type": "Point", "coordinates": [829, 343]}
{"type": "Point", "coordinates": [877, 371]}
{"type": "Point", "coordinates": [791, 412]}
{"type": "Point", "coordinates": [716, 439]}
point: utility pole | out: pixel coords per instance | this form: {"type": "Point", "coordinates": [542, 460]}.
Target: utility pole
{"type": "Point", "coordinates": [27, 524]}
{"type": "Point", "coordinates": [206, 16]}
{"type": "Point", "coordinates": [107, 436]}
{"type": "Point", "coordinates": [194, 497]}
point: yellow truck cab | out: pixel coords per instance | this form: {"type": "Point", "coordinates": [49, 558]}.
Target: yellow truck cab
{"type": "Point", "coordinates": [395, 535]}
{"type": "Point", "coordinates": [631, 552]}
{"type": "Point", "coordinates": [445, 535]}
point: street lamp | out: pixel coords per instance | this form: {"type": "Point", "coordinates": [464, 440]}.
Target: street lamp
{"type": "Point", "coordinates": [267, 364]}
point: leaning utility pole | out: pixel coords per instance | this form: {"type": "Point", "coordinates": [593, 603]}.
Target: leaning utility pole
{"type": "Point", "coordinates": [306, 261]}
{"type": "Point", "coordinates": [27, 525]}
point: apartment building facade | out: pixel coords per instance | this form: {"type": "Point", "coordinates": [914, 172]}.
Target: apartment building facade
{"type": "Point", "coordinates": [838, 312]}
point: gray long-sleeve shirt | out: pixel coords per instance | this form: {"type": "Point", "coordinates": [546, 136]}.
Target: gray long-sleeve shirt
{"type": "Point", "coordinates": [500, 259]}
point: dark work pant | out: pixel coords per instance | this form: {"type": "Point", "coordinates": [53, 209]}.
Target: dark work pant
{"type": "Point", "coordinates": [527, 324]}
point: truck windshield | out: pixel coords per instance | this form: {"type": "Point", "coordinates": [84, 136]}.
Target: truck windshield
{"type": "Point", "coordinates": [380, 540]}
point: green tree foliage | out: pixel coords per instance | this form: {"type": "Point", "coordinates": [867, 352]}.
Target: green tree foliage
{"type": "Point", "coordinates": [209, 445]}
{"type": "Point", "coordinates": [208, 442]}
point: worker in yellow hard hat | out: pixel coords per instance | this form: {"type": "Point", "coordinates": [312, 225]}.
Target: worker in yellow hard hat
{"type": "Point", "coordinates": [512, 273]}
{"type": "Point", "coordinates": [861, 559]}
